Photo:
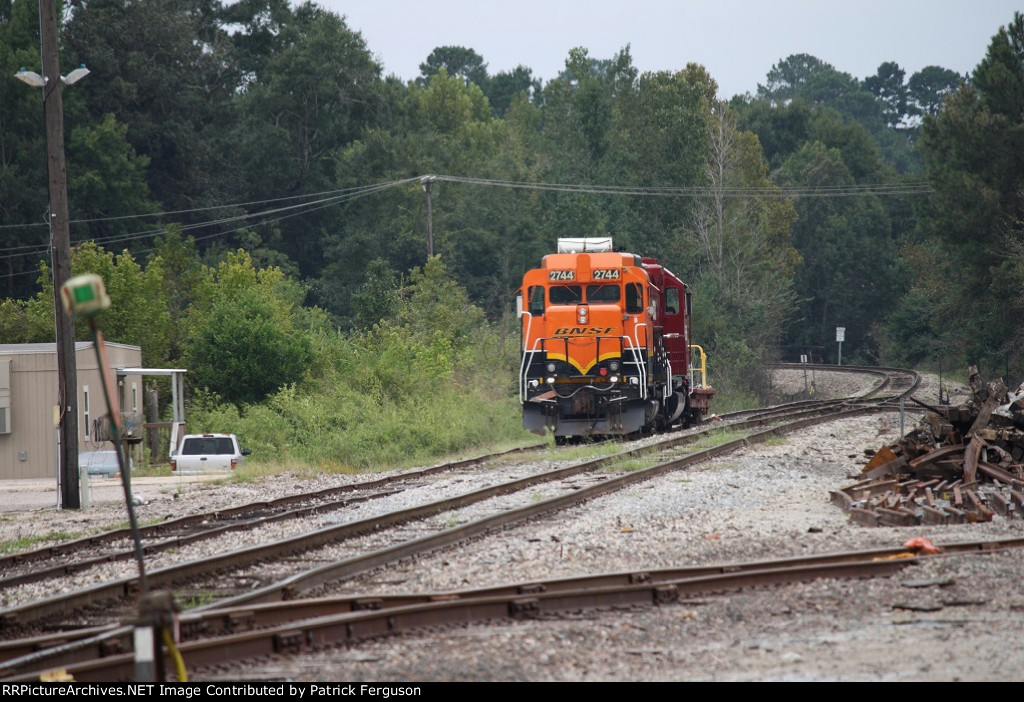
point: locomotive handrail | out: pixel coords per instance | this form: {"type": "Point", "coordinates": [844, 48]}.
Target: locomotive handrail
{"type": "Point", "coordinates": [642, 361]}
{"type": "Point", "coordinates": [522, 362]}
{"type": "Point", "coordinates": [528, 323]}
{"type": "Point", "coordinates": [625, 343]}
{"type": "Point", "coordinates": [703, 368]}
{"type": "Point", "coordinates": [523, 365]}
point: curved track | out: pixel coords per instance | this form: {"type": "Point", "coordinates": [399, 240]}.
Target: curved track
{"type": "Point", "coordinates": [758, 423]}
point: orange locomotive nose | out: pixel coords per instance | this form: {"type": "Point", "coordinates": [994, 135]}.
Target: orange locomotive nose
{"type": "Point", "coordinates": [585, 335]}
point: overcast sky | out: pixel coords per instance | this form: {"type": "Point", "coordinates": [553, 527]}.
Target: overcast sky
{"type": "Point", "coordinates": [738, 41]}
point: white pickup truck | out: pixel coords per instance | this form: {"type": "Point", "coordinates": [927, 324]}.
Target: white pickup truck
{"type": "Point", "coordinates": [208, 453]}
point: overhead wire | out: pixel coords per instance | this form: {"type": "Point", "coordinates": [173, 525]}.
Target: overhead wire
{"type": "Point", "coordinates": [249, 218]}
{"type": "Point", "coordinates": [334, 197]}
{"type": "Point", "coordinates": [293, 210]}
{"type": "Point", "coordinates": [852, 190]}
{"type": "Point", "coordinates": [323, 195]}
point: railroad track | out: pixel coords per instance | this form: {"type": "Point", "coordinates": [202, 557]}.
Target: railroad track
{"type": "Point", "coordinates": [64, 558]}
{"type": "Point", "coordinates": [761, 427]}
{"type": "Point", "coordinates": [61, 559]}
{"type": "Point", "coordinates": [226, 635]}
{"type": "Point", "coordinates": [311, 579]}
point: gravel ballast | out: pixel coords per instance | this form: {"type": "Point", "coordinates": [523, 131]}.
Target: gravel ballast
{"type": "Point", "coordinates": [951, 618]}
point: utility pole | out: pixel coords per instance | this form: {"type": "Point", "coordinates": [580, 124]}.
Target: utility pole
{"type": "Point", "coordinates": [67, 377]}
{"type": "Point", "coordinates": [427, 182]}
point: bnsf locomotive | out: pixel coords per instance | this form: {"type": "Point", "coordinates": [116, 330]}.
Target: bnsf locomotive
{"type": "Point", "coordinates": [606, 344]}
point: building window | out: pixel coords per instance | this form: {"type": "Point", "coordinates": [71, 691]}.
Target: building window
{"type": "Point", "coordinates": [135, 397]}
{"type": "Point", "coordinates": [85, 409]}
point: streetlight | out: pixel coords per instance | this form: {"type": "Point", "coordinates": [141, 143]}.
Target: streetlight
{"type": "Point", "coordinates": [67, 376]}
{"type": "Point", "coordinates": [37, 81]}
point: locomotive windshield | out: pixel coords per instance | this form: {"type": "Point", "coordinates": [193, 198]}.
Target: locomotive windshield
{"type": "Point", "coordinates": [603, 293]}
{"type": "Point", "coordinates": [573, 294]}
{"type": "Point", "coordinates": [565, 294]}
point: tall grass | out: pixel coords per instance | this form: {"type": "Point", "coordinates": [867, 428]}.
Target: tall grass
{"type": "Point", "coordinates": [380, 399]}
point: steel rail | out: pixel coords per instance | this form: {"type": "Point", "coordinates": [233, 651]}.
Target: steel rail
{"type": "Point", "coordinates": [303, 582]}
{"type": "Point", "coordinates": [206, 622]}
{"type": "Point", "coordinates": [311, 579]}
{"type": "Point", "coordinates": [234, 514]}
{"type": "Point", "coordinates": [308, 624]}
{"type": "Point", "coordinates": [60, 605]}
{"type": "Point", "coordinates": [237, 513]}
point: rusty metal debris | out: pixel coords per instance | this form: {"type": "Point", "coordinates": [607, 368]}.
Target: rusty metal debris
{"type": "Point", "coordinates": [961, 464]}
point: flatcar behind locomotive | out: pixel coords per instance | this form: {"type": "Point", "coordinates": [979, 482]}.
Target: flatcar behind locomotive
{"type": "Point", "coordinates": [606, 344]}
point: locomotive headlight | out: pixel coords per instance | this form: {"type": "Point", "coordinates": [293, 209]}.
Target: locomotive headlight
{"type": "Point", "coordinates": [634, 381]}
{"type": "Point", "coordinates": [551, 381]}
{"type": "Point", "coordinates": [534, 383]}
{"type": "Point", "coordinates": [613, 366]}
{"type": "Point", "coordinates": [551, 368]}
{"type": "Point", "coordinates": [614, 378]}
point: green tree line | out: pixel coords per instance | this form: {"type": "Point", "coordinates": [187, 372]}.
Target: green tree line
{"type": "Point", "coordinates": [228, 192]}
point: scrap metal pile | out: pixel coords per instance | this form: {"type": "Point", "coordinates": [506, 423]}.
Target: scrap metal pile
{"type": "Point", "coordinates": [961, 464]}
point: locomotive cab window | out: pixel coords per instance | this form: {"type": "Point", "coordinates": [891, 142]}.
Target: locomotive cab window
{"type": "Point", "coordinates": [536, 301]}
{"type": "Point", "coordinates": [603, 293]}
{"type": "Point", "coordinates": [634, 298]}
{"type": "Point", "coordinates": [565, 294]}
{"type": "Point", "coordinates": [672, 301]}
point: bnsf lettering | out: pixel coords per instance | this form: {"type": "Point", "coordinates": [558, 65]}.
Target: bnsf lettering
{"type": "Point", "coordinates": [578, 331]}
{"type": "Point", "coordinates": [561, 275]}
{"type": "Point", "coordinates": [607, 274]}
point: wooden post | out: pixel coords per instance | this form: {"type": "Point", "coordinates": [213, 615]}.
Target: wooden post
{"type": "Point", "coordinates": [427, 182]}
{"type": "Point", "coordinates": [152, 417]}
{"type": "Point", "coordinates": [67, 377]}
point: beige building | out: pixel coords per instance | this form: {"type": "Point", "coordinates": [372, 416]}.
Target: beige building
{"type": "Point", "coordinates": [28, 402]}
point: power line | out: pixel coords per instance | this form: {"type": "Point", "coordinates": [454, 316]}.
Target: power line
{"type": "Point", "coordinates": [250, 218]}
{"type": "Point", "coordinates": [334, 197]}
{"type": "Point", "coordinates": [853, 190]}
{"type": "Point", "coordinates": [41, 225]}
{"type": "Point", "coordinates": [325, 195]}
{"type": "Point", "coordinates": [306, 209]}
{"type": "Point", "coordinates": [167, 213]}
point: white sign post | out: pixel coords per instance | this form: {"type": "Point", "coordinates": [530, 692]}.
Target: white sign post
{"type": "Point", "coordinates": [840, 338]}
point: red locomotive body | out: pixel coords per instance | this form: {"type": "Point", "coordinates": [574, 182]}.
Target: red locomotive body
{"type": "Point", "coordinates": [606, 344]}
